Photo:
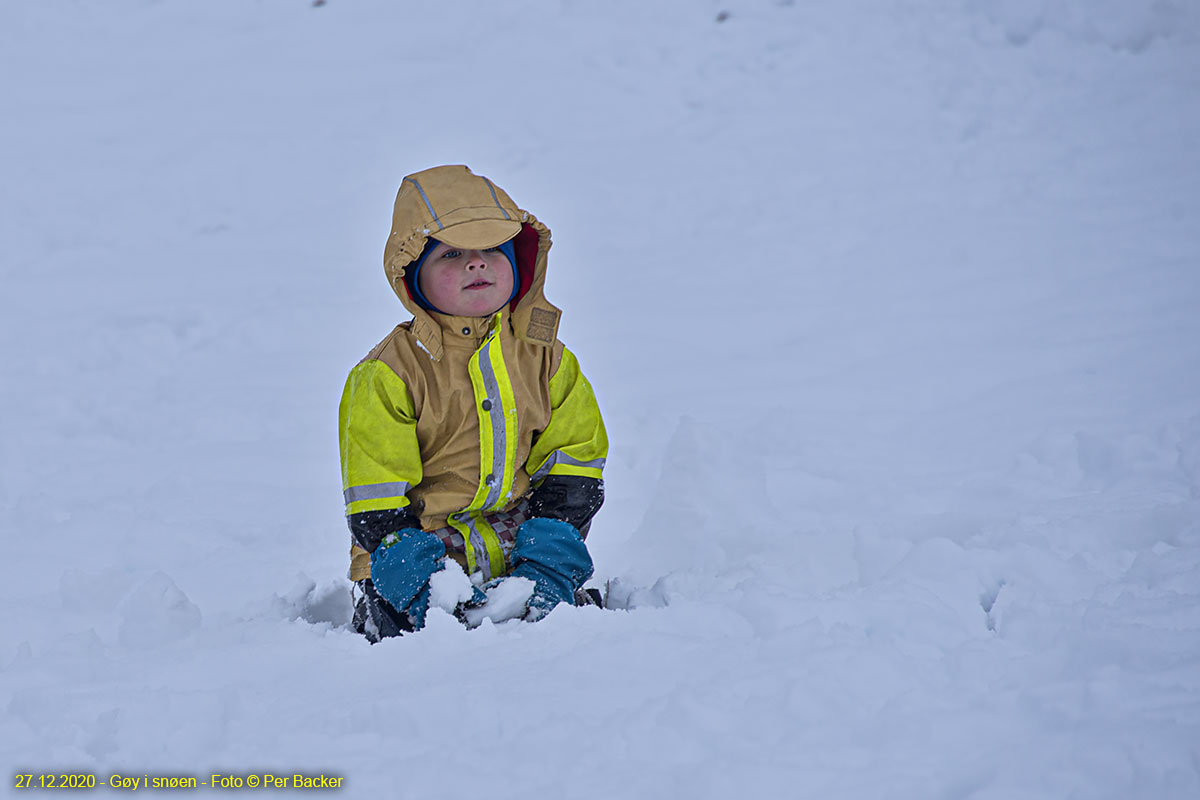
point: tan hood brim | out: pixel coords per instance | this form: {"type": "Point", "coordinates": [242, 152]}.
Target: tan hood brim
{"type": "Point", "coordinates": [480, 234]}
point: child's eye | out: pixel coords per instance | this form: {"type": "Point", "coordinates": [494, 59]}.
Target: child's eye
{"type": "Point", "coordinates": [452, 254]}
{"type": "Point", "coordinates": [493, 250]}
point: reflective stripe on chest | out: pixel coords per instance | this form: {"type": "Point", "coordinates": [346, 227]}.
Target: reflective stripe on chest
{"type": "Point", "coordinates": [496, 407]}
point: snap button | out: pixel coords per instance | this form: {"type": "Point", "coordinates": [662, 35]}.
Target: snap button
{"type": "Point", "coordinates": [487, 405]}
{"type": "Point", "coordinates": [490, 479]}
{"type": "Point", "coordinates": [466, 331]}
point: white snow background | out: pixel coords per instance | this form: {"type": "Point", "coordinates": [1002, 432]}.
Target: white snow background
{"type": "Point", "coordinates": [892, 308]}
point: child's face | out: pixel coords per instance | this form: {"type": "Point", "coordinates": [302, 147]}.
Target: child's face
{"type": "Point", "coordinates": [466, 283]}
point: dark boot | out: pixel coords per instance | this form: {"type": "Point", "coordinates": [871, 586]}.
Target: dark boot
{"type": "Point", "coordinates": [375, 617]}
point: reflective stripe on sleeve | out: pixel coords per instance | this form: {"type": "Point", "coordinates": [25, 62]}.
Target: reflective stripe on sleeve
{"type": "Point", "coordinates": [375, 491]}
{"type": "Point", "coordinates": [559, 458]}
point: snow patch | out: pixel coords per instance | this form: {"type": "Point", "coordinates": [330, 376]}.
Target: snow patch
{"type": "Point", "coordinates": [624, 594]}
{"type": "Point", "coordinates": [1129, 25]}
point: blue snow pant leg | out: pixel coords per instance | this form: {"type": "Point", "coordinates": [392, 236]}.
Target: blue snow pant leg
{"type": "Point", "coordinates": [551, 553]}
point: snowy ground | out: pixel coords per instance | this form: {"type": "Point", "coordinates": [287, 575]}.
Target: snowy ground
{"type": "Point", "coordinates": [893, 309]}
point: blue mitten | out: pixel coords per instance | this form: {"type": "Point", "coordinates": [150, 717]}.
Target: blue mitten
{"type": "Point", "coordinates": [401, 568]}
{"type": "Point", "coordinates": [418, 608]}
{"type": "Point", "coordinates": [551, 553]}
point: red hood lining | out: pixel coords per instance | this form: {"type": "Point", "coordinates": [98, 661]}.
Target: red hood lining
{"type": "Point", "coordinates": [525, 245]}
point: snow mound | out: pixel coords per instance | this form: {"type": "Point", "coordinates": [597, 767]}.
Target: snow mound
{"type": "Point", "coordinates": [326, 602]}
{"type": "Point", "coordinates": [155, 613]}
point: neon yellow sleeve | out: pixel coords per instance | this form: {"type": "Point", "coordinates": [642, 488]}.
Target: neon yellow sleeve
{"type": "Point", "coordinates": [574, 442]}
{"type": "Point", "coordinates": [377, 437]}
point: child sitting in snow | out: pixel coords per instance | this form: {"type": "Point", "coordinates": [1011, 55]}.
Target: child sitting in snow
{"type": "Point", "coordinates": [469, 433]}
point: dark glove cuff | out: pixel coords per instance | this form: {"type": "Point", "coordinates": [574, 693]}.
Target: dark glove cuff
{"type": "Point", "coordinates": [570, 498]}
{"type": "Point", "coordinates": [368, 528]}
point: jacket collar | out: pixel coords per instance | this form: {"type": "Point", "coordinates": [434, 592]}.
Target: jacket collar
{"type": "Point", "coordinates": [466, 331]}
{"type": "Point", "coordinates": [456, 333]}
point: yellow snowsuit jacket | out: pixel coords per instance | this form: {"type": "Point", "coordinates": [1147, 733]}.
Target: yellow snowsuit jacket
{"type": "Point", "coordinates": [450, 421]}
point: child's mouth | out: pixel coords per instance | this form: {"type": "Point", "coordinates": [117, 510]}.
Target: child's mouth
{"type": "Point", "coordinates": [479, 285]}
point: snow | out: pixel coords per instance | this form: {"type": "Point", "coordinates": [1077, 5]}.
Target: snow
{"type": "Point", "coordinates": [892, 307]}
{"type": "Point", "coordinates": [506, 600]}
{"type": "Point", "coordinates": [450, 587]}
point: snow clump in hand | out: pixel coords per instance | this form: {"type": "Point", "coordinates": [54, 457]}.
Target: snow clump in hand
{"type": "Point", "coordinates": [507, 599]}
{"type": "Point", "coordinates": [450, 587]}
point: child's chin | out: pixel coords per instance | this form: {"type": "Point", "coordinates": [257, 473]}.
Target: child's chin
{"type": "Point", "coordinates": [480, 308]}
{"type": "Point", "coordinates": [473, 310]}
